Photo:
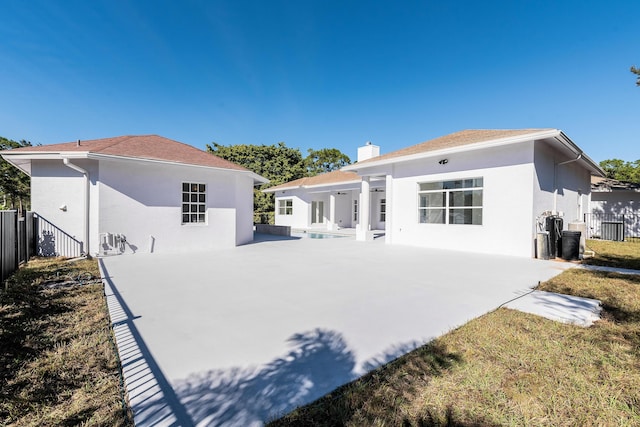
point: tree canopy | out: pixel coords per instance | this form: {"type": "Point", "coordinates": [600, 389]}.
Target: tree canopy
{"type": "Point", "coordinates": [636, 71]}
{"type": "Point", "coordinates": [279, 164]}
{"type": "Point", "coordinates": [14, 184]}
{"type": "Point", "coordinates": [325, 160]}
{"type": "Point", "coordinates": [622, 170]}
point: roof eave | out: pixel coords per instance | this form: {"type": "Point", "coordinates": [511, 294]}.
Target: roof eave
{"type": "Point", "coordinates": [310, 187]}
{"type": "Point", "coordinates": [591, 165]}
{"type": "Point", "coordinates": [18, 159]}
{"type": "Point", "coordinates": [257, 179]}
{"type": "Point", "coordinates": [443, 152]}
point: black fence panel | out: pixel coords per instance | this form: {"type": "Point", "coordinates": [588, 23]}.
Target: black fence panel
{"type": "Point", "coordinates": [618, 227]}
{"type": "Point", "coordinates": [17, 241]}
{"type": "Point", "coordinates": [8, 243]}
{"type": "Point", "coordinates": [31, 230]}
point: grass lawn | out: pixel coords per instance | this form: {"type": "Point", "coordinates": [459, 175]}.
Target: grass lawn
{"type": "Point", "coordinates": [511, 368]}
{"type": "Point", "coordinates": [57, 361]}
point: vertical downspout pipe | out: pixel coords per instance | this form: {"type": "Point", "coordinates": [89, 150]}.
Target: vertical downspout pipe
{"type": "Point", "coordinates": [77, 168]}
{"type": "Point", "coordinates": [555, 181]}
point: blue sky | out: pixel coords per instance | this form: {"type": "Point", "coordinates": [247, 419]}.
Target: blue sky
{"type": "Point", "coordinates": [320, 74]}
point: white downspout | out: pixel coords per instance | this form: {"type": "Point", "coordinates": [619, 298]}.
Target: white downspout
{"type": "Point", "coordinates": [77, 168]}
{"type": "Point", "coordinates": [555, 181]}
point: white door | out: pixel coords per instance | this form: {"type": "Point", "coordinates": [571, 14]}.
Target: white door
{"type": "Point", "coordinates": [317, 212]}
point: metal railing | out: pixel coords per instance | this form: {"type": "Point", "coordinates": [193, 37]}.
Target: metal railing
{"type": "Point", "coordinates": [618, 227]}
{"type": "Point", "coordinates": [53, 241]}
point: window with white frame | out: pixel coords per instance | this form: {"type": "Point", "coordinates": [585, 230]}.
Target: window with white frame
{"type": "Point", "coordinates": [383, 210]}
{"type": "Point", "coordinates": [285, 207]}
{"type": "Point", "coordinates": [194, 203]}
{"type": "Point", "coordinates": [355, 210]}
{"type": "Point", "coordinates": [451, 202]}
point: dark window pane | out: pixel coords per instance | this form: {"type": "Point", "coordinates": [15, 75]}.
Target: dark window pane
{"type": "Point", "coordinates": [185, 186]}
{"type": "Point", "coordinates": [194, 217]}
{"type": "Point", "coordinates": [201, 188]}
{"type": "Point", "coordinates": [201, 208]}
{"type": "Point", "coordinates": [185, 197]}
{"type": "Point", "coordinates": [201, 198]}
{"type": "Point", "coordinates": [185, 207]}
{"type": "Point", "coordinates": [185, 218]}
{"type": "Point", "coordinates": [201, 218]}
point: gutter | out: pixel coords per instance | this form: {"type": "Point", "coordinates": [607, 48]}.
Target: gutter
{"type": "Point", "coordinates": [77, 168]}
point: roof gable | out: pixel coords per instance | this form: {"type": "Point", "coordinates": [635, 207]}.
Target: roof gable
{"type": "Point", "coordinates": [600, 184]}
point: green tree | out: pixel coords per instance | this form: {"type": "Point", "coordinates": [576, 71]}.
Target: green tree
{"type": "Point", "coordinates": [278, 163]}
{"type": "Point", "coordinates": [621, 170]}
{"type": "Point", "coordinates": [325, 160]}
{"type": "Point", "coordinates": [14, 184]}
{"type": "Point", "coordinates": [636, 71]}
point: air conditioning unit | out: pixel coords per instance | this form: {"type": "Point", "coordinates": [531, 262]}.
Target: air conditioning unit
{"type": "Point", "coordinates": [112, 243]}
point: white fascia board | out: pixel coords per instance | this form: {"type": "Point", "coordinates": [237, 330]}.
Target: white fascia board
{"type": "Point", "coordinates": [274, 190]}
{"type": "Point", "coordinates": [256, 178]}
{"type": "Point", "coordinates": [22, 159]}
{"type": "Point", "coordinates": [309, 187]}
{"type": "Point", "coordinates": [470, 147]}
{"type": "Point", "coordinates": [333, 184]}
{"type": "Point", "coordinates": [568, 143]}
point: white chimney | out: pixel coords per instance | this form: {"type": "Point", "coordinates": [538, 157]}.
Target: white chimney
{"type": "Point", "coordinates": [368, 151]}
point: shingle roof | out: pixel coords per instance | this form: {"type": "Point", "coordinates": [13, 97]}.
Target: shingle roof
{"type": "Point", "coordinates": [329, 178]}
{"type": "Point", "coordinates": [457, 139]}
{"type": "Point", "coordinates": [607, 184]}
{"type": "Point", "coordinates": [150, 147]}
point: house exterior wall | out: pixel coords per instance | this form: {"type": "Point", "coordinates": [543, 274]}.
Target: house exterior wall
{"type": "Point", "coordinates": [507, 174]}
{"type": "Point", "coordinates": [573, 183]}
{"type": "Point", "coordinates": [302, 202]}
{"type": "Point", "coordinates": [615, 202]}
{"type": "Point", "coordinates": [143, 202]}
{"type": "Point", "coordinates": [300, 214]}
{"type": "Point", "coordinates": [53, 185]}
{"type": "Point", "coordinates": [244, 209]}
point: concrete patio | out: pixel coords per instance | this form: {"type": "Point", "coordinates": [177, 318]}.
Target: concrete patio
{"type": "Point", "coordinates": [240, 336]}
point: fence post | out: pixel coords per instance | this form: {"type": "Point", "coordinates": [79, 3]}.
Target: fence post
{"type": "Point", "coordinates": [17, 241]}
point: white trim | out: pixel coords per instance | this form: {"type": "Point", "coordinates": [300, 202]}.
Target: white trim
{"type": "Point", "coordinates": [468, 147]}
{"type": "Point", "coordinates": [11, 157]}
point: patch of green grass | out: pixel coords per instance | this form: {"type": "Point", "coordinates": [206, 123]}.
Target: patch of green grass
{"type": "Point", "coordinates": [509, 368]}
{"type": "Point", "coordinates": [57, 361]}
{"type": "Point", "coordinates": [615, 254]}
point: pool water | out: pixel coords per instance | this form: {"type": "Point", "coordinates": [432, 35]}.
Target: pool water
{"type": "Point", "coordinates": [316, 235]}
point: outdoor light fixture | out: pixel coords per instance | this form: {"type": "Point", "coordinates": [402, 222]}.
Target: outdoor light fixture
{"type": "Point", "coordinates": [444, 161]}
{"type": "Point", "coordinates": [63, 208]}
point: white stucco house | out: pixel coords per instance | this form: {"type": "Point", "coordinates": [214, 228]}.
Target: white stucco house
{"type": "Point", "coordinates": [474, 190]}
{"type": "Point", "coordinates": [159, 194]}
{"type": "Point", "coordinates": [615, 209]}
{"type": "Point", "coordinates": [613, 197]}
